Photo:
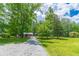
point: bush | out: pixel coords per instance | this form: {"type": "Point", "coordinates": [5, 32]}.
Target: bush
{"type": "Point", "coordinates": [12, 37]}
{"type": "Point", "coordinates": [5, 35]}
{"type": "Point", "coordinates": [74, 34]}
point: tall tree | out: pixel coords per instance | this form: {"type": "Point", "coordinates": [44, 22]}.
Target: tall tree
{"type": "Point", "coordinates": [66, 23]}
{"type": "Point", "coordinates": [21, 17]}
{"type": "Point", "coordinates": [3, 21]}
{"type": "Point", "coordinates": [54, 23]}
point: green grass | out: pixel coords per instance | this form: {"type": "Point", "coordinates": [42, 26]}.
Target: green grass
{"type": "Point", "coordinates": [12, 40]}
{"type": "Point", "coordinates": [63, 47]}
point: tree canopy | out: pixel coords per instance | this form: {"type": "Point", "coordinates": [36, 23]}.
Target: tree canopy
{"type": "Point", "coordinates": [17, 18]}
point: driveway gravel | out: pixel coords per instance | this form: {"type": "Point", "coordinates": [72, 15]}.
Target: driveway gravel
{"type": "Point", "coordinates": [30, 48]}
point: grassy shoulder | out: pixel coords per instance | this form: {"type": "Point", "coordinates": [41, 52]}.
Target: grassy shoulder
{"type": "Point", "coordinates": [12, 40]}
{"type": "Point", "coordinates": [63, 47]}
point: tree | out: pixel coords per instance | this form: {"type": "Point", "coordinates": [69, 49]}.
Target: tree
{"type": "Point", "coordinates": [3, 21]}
{"type": "Point", "coordinates": [54, 23]}
{"type": "Point", "coordinates": [69, 26]}
{"type": "Point", "coordinates": [21, 17]}
{"type": "Point", "coordinates": [66, 23]}
{"type": "Point", "coordinates": [75, 26]}
{"type": "Point", "coordinates": [49, 19]}
{"type": "Point", "coordinates": [42, 29]}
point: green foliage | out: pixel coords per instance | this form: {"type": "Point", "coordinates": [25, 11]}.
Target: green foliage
{"type": "Point", "coordinates": [69, 26]}
{"type": "Point", "coordinates": [54, 23]}
{"type": "Point", "coordinates": [75, 26]}
{"type": "Point", "coordinates": [3, 21]}
{"type": "Point", "coordinates": [42, 29]}
{"type": "Point", "coordinates": [17, 18]}
{"type": "Point", "coordinates": [5, 35]}
{"type": "Point", "coordinates": [20, 17]}
{"type": "Point", "coordinates": [66, 24]}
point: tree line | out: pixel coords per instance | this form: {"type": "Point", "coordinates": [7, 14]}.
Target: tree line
{"type": "Point", "coordinates": [56, 26]}
{"type": "Point", "coordinates": [17, 18]}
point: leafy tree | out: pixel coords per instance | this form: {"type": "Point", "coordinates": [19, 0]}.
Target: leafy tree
{"type": "Point", "coordinates": [66, 23]}
{"type": "Point", "coordinates": [75, 26]}
{"type": "Point", "coordinates": [42, 29]}
{"type": "Point", "coordinates": [69, 26]}
{"type": "Point", "coordinates": [3, 21]}
{"type": "Point", "coordinates": [21, 17]}
{"type": "Point", "coordinates": [54, 23]}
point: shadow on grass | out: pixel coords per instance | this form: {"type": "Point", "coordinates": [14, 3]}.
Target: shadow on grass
{"type": "Point", "coordinates": [53, 38]}
{"type": "Point", "coordinates": [44, 45]}
{"type": "Point", "coordinates": [43, 41]}
{"type": "Point", "coordinates": [46, 41]}
{"type": "Point", "coordinates": [62, 38]}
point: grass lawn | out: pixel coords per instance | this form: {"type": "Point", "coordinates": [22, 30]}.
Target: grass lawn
{"type": "Point", "coordinates": [12, 40]}
{"type": "Point", "coordinates": [63, 47]}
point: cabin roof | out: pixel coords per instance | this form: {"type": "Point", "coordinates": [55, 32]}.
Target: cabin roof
{"type": "Point", "coordinates": [28, 33]}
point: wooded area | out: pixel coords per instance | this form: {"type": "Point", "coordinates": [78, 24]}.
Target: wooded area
{"type": "Point", "coordinates": [17, 19]}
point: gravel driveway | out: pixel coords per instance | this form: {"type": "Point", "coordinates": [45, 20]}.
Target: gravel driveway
{"type": "Point", "coordinates": [31, 48]}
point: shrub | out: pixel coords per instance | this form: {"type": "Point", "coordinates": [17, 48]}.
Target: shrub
{"type": "Point", "coordinates": [5, 35]}
{"type": "Point", "coordinates": [12, 37]}
{"type": "Point", "coordinates": [74, 34]}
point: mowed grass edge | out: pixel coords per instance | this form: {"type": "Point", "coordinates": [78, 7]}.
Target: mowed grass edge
{"type": "Point", "coordinates": [63, 47]}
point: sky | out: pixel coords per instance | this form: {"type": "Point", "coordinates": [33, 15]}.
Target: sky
{"type": "Point", "coordinates": [63, 10]}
